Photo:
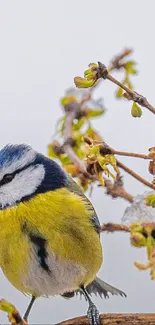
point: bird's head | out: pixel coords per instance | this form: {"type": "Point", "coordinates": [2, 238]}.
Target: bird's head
{"type": "Point", "coordinates": [25, 173]}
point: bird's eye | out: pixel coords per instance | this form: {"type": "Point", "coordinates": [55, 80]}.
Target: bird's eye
{"type": "Point", "coordinates": [6, 179]}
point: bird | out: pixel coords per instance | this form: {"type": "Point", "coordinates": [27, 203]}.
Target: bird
{"type": "Point", "coordinates": [49, 230]}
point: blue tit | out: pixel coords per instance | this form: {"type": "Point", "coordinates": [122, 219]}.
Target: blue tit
{"type": "Point", "coordinates": [49, 230]}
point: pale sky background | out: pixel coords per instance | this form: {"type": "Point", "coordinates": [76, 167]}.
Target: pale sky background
{"type": "Point", "coordinates": [43, 45]}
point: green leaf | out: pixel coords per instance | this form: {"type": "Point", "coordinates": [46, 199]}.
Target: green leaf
{"type": "Point", "coordinates": [83, 83]}
{"type": "Point", "coordinates": [51, 153]}
{"type": "Point", "coordinates": [68, 99]}
{"type": "Point", "coordinates": [150, 200]}
{"type": "Point", "coordinates": [119, 92]}
{"type": "Point", "coordinates": [130, 67]}
{"type": "Point", "coordinates": [78, 125]}
{"type": "Point", "coordinates": [94, 113]}
{"type": "Point", "coordinates": [136, 110]}
{"type": "Point", "coordinates": [60, 125]}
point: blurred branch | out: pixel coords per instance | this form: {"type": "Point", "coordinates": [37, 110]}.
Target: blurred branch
{"type": "Point", "coordinates": [113, 227]}
{"type": "Point", "coordinates": [71, 113]}
{"type": "Point", "coordinates": [115, 319]}
{"type": "Point", "coordinates": [117, 63]}
{"type": "Point", "coordinates": [117, 189]}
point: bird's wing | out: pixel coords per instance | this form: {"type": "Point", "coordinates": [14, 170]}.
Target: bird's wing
{"type": "Point", "coordinates": [72, 186]}
{"type": "Point", "coordinates": [97, 287]}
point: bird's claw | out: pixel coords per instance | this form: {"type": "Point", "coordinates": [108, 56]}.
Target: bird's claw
{"type": "Point", "coordinates": [93, 315]}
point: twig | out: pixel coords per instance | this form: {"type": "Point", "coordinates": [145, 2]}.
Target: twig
{"type": "Point", "coordinates": [135, 175]}
{"type": "Point", "coordinates": [129, 94]}
{"type": "Point", "coordinates": [130, 154]}
{"type": "Point", "coordinates": [106, 149]}
{"type": "Point", "coordinates": [115, 319]}
{"type": "Point", "coordinates": [70, 116]}
{"type": "Point", "coordinates": [112, 227]}
{"type": "Point", "coordinates": [116, 62]}
{"type": "Point", "coordinates": [117, 189]}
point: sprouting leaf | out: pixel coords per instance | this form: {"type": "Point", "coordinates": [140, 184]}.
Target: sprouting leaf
{"type": "Point", "coordinates": [129, 84]}
{"type": "Point", "coordinates": [60, 125]}
{"type": "Point", "coordinates": [79, 123]}
{"type": "Point", "coordinates": [101, 179]}
{"type": "Point", "coordinates": [150, 200]}
{"type": "Point", "coordinates": [51, 152]}
{"type": "Point", "coordinates": [71, 169]}
{"type": "Point", "coordinates": [142, 235]}
{"type": "Point", "coordinates": [109, 160]}
{"type": "Point", "coordinates": [119, 92]}
{"type": "Point", "coordinates": [130, 67]}
{"type": "Point", "coordinates": [126, 81]}
{"type": "Point", "coordinates": [13, 314]}
{"type": "Point", "coordinates": [94, 113]}
{"type": "Point", "coordinates": [83, 83]}
{"type": "Point", "coordinates": [136, 110]}
{"type": "Point", "coordinates": [103, 162]}
{"type": "Point", "coordinates": [94, 151]}
{"type": "Point", "coordinates": [68, 99]}
{"type": "Point", "coordinates": [65, 160]}
{"type": "Point", "coordinates": [93, 134]}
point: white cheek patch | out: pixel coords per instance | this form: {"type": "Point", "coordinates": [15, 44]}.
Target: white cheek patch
{"type": "Point", "coordinates": [28, 157]}
{"type": "Point", "coordinates": [25, 183]}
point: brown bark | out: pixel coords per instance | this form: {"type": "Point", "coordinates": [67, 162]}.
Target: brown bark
{"type": "Point", "coordinates": [115, 319]}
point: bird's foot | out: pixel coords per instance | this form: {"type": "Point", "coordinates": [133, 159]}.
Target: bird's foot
{"type": "Point", "coordinates": [93, 315]}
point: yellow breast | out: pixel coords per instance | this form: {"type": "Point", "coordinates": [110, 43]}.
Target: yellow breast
{"type": "Point", "coordinates": [63, 219]}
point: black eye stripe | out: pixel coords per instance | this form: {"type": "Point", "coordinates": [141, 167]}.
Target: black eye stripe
{"type": "Point", "coordinates": [7, 178]}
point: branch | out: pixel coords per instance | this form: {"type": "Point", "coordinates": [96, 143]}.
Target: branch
{"type": "Point", "coordinates": [129, 94]}
{"type": "Point", "coordinates": [106, 149]}
{"type": "Point", "coordinates": [130, 154]}
{"type": "Point", "coordinates": [135, 175]}
{"type": "Point", "coordinates": [71, 112]}
{"type": "Point", "coordinates": [113, 227]}
{"type": "Point", "coordinates": [115, 319]}
{"type": "Point", "coordinates": [116, 62]}
{"type": "Point", "coordinates": [117, 189]}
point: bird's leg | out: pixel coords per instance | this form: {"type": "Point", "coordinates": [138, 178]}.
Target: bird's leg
{"type": "Point", "coordinates": [92, 313]}
{"type": "Point", "coordinates": [29, 308]}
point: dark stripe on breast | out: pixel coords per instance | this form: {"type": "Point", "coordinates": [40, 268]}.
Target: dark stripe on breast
{"type": "Point", "coordinates": [39, 243]}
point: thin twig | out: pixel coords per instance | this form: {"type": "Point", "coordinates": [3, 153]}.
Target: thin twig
{"type": "Point", "coordinates": [135, 175]}
{"type": "Point", "coordinates": [117, 190]}
{"type": "Point", "coordinates": [115, 319]}
{"type": "Point", "coordinates": [130, 154]}
{"type": "Point", "coordinates": [116, 62]}
{"type": "Point", "coordinates": [113, 227]}
{"type": "Point", "coordinates": [106, 149]}
{"type": "Point", "coordinates": [70, 116]}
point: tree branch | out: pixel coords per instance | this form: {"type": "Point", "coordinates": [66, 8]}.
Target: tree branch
{"type": "Point", "coordinates": [115, 319]}
{"type": "Point", "coordinates": [129, 94]}
{"type": "Point", "coordinates": [116, 62]}
{"type": "Point", "coordinates": [135, 175]}
{"type": "Point", "coordinates": [113, 227]}
{"type": "Point", "coordinates": [106, 149]}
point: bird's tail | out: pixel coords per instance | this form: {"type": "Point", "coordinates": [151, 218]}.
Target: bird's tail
{"type": "Point", "coordinates": [101, 288]}
{"type": "Point", "coordinates": [98, 287]}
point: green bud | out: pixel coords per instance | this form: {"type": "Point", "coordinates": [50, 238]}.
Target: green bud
{"type": "Point", "coordinates": [136, 110]}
